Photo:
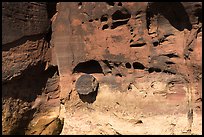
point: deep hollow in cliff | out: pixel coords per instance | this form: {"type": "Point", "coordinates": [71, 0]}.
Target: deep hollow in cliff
{"type": "Point", "coordinates": [101, 68]}
{"type": "Point", "coordinates": [88, 67]}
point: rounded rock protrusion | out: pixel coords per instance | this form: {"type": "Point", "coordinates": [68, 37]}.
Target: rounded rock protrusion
{"type": "Point", "coordinates": [86, 84]}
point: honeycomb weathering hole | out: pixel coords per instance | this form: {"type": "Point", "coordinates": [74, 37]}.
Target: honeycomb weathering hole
{"type": "Point", "coordinates": [128, 65]}
{"type": "Point", "coordinates": [118, 23]}
{"type": "Point", "coordinates": [105, 27]}
{"type": "Point", "coordinates": [110, 3]}
{"type": "Point", "coordinates": [121, 15]}
{"type": "Point", "coordinates": [137, 65]}
{"type": "Point", "coordinates": [104, 18]}
{"type": "Point", "coordinates": [152, 69]}
{"type": "Point", "coordinates": [88, 67]}
{"type": "Point", "coordinates": [138, 45]}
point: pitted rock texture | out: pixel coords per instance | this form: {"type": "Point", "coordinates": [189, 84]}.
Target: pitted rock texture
{"type": "Point", "coordinates": [147, 40]}
{"type": "Point", "coordinates": [146, 57]}
{"type": "Point", "coordinates": [148, 34]}
{"type": "Point", "coordinates": [151, 48]}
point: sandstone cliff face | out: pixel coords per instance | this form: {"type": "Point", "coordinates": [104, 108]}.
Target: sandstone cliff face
{"type": "Point", "coordinates": [145, 56]}
{"type": "Point", "coordinates": [24, 19]}
{"type": "Point", "coordinates": [29, 82]}
{"type": "Point", "coordinates": [152, 50]}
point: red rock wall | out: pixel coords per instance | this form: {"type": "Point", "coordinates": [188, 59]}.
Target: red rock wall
{"type": "Point", "coordinates": [151, 48]}
{"type": "Point", "coordinates": [23, 19]}
{"type": "Point", "coordinates": [154, 37]}
{"type": "Point", "coordinates": [29, 80]}
{"type": "Point", "coordinates": [154, 46]}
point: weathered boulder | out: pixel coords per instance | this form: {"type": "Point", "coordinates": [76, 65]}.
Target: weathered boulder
{"type": "Point", "coordinates": [46, 126]}
{"type": "Point", "coordinates": [86, 84]}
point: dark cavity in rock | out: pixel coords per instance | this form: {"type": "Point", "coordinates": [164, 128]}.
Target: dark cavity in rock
{"type": "Point", "coordinates": [137, 44]}
{"type": "Point", "coordinates": [105, 27]}
{"type": "Point", "coordinates": [104, 18]}
{"type": "Point", "coordinates": [121, 15]}
{"type": "Point", "coordinates": [128, 65]}
{"type": "Point", "coordinates": [137, 65]}
{"type": "Point", "coordinates": [153, 69]}
{"type": "Point", "coordinates": [88, 67]}
{"type": "Point", "coordinates": [110, 3]}
{"type": "Point", "coordinates": [118, 23]}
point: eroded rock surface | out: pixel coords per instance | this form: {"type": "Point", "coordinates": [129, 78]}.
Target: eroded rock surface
{"type": "Point", "coordinates": [146, 57]}
{"type": "Point", "coordinates": [24, 19]}
{"type": "Point", "coordinates": [149, 48]}
{"type": "Point", "coordinates": [30, 85]}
